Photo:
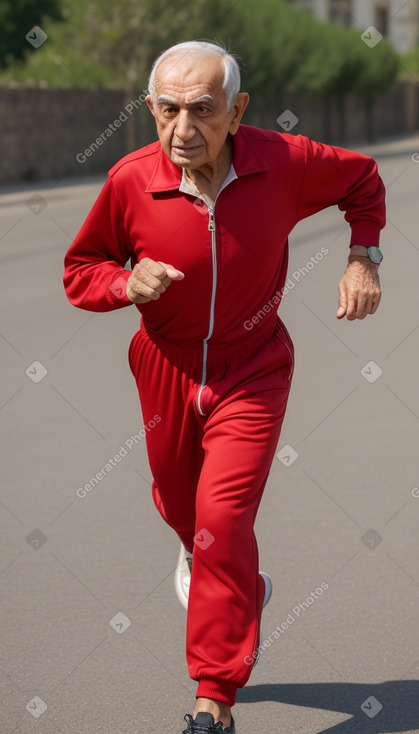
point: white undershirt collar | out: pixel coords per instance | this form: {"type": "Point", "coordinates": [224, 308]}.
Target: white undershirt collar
{"type": "Point", "coordinates": [188, 187]}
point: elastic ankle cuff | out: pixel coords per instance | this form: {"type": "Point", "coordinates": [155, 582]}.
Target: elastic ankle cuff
{"type": "Point", "coordinates": [219, 690]}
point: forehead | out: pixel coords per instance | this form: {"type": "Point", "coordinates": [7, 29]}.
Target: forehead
{"type": "Point", "coordinates": [188, 76]}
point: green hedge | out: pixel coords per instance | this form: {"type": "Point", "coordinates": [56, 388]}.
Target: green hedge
{"type": "Point", "coordinates": [111, 43]}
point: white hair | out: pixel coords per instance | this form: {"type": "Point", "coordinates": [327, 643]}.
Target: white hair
{"type": "Point", "coordinates": [231, 83]}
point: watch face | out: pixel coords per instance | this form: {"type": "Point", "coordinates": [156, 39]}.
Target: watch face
{"type": "Point", "coordinates": [375, 254]}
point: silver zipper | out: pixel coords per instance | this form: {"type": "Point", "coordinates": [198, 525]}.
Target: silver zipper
{"type": "Point", "coordinates": [211, 228]}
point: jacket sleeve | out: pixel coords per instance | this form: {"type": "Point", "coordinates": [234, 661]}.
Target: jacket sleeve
{"type": "Point", "coordinates": [94, 274]}
{"type": "Point", "coordinates": [350, 180]}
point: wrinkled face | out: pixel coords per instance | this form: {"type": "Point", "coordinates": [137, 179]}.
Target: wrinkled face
{"type": "Point", "coordinates": [191, 109]}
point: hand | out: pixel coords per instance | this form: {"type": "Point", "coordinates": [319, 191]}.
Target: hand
{"type": "Point", "coordinates": [359, 289]}
{"type": "Point", "coordinates": [149, 279]}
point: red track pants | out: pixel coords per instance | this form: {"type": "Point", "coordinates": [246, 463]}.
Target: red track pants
{"type": "Point", "coordinates": [209, 472]}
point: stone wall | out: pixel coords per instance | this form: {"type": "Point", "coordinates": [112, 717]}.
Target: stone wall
{"type": "Point", "coordinates": [56, 133]}
{"type": "Point", "coordinates": [344, 120]}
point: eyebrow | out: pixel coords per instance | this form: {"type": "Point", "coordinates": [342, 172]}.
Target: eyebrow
{"type": "Point", "coordinates": [167, 100]}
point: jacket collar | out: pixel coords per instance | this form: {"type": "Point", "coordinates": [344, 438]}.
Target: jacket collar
{"type": "Point", "coordinates": [167, 176]}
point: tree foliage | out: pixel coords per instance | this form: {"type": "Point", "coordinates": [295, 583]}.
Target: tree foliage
{"type": "Point", "coordinates": [113, 43]}
{"type": "Point", "coordinates": [410, 63]}
{"type": "Point", "coordinates": [287, 49]}
{"type": "Point", "coordinates": [17, 18]}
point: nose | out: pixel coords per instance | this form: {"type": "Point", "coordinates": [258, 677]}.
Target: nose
{"type": "Point", "coordinates": [184, 129]}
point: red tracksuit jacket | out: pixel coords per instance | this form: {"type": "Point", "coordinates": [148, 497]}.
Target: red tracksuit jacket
{"type": "Point", "coordinates": [140, 212]}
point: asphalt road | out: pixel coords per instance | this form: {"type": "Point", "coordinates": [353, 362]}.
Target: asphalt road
{"type": "Point", "coordinates": [91, 634]}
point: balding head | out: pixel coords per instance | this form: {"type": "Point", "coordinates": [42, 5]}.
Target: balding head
{"type": "Point", "coordinates": [197, 50]}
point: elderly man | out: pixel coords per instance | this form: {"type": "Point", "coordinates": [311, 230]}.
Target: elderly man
{"type": "Point", "coordinates": [207, 210]}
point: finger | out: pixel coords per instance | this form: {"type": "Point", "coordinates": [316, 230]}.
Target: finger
{"type": "Point", "coordinates": [150, 271]}
{"type": "Point", "coordinates": [376, 302]}
{"type": "Point", "coordinates": [368, 305]}
{"type": "Point", "coordinates": [141, 298]}
{"type": "Point", "coordinates": [363, 306]}
{"type": "Point", "coordinates": [342, 302]}
{"type": "Point", "coordinates": [152, 280]}
{"type": "Point", "coordinates": [145, 284]}
{"type": "Point", "coordinates": [134, 296]}
{"type": "Point", "coordinates": [172, 272]}
{"type": "Point", "coordinates": [351, 309]}
{"type": "Point", "coordinates": [141, 295]}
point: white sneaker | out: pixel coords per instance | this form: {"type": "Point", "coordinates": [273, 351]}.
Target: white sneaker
{"type": "Point", "coordinates": [268, 594]}
{"type": "Point", "coordinates": [183, 576]}
{"type": "Point", "coordinates": [268, 587]}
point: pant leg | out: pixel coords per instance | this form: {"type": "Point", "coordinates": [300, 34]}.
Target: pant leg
{"type": "Point", "coordinates": [167, 387]}
{"type": "Point", "coordinates": [226, 592]}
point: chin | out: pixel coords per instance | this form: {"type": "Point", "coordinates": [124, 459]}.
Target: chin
{"type": "Point", "coordinates": [186, 163]}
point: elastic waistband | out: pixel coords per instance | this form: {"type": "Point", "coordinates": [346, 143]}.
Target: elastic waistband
{"type": "Point", "coordinates": [248, 340]}
{"type": "Point", "coordinates": [221, 357]}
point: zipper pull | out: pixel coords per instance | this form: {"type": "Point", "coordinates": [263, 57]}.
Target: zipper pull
{"type": "Point", "coordinates": [211, 220]}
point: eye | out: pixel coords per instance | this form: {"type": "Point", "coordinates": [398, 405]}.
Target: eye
{"type": "Point", "coordinates": [202, 110]}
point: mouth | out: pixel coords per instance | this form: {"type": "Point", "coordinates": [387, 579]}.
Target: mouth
{"type": "Point", "coordinates": [186, 152]}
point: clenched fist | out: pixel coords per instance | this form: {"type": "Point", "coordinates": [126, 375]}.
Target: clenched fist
{"type": "Point", "coordinates": [149, 279]}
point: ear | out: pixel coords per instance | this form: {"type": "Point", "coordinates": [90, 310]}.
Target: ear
{"type": "Point", "coordinates": [239, 106]}
{"type": "Point", "coordinates": [150, 104]}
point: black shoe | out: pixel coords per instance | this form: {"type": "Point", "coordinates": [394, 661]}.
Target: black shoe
{"type": "Point", "coordinates": [204, 724]}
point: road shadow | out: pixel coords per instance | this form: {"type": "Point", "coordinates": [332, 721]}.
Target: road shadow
{"type": "Point", "coordinates": [399, 701]}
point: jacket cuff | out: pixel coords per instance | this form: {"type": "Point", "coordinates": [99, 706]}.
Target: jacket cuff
{"type": "Point", "coordinates": [365, 233]}
{"type": "Point", "coordinates": [116, 293]}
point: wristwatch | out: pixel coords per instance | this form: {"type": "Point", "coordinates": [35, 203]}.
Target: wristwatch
{"type": "Point", "coordinates": [374, 254]}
